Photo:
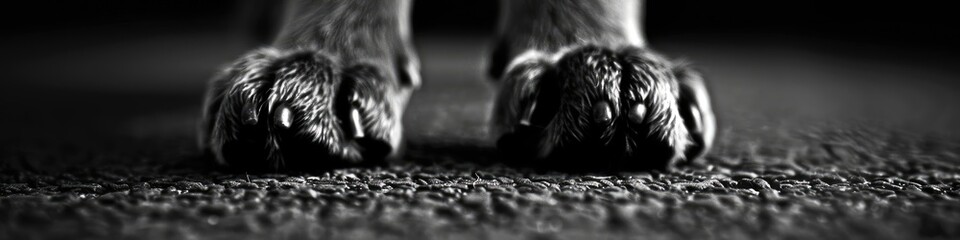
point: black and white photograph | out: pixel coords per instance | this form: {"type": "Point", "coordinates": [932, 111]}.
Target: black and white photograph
{"type": "Point", "coordinates": [479, 119]}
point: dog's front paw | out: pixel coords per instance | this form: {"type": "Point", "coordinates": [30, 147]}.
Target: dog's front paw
{"type": "Point", "coordinates": [594, 108]}
{"type": "Point", "coordinates": [301, 109]}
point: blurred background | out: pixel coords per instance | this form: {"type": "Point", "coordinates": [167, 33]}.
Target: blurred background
{"type": "Point", "coordinates": [172, 45]}
{"type": "Point", "coordinates": [136, 70]}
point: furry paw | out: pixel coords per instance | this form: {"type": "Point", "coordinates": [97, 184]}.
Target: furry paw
{"type": "Point", "coordinates": [595, 108]}
{"type": "Point", "coordinates": [302, 110]}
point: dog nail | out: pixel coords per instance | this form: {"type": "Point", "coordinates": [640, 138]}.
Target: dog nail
{"type": "Point", "coordinates": [356, 123]}
{"type": "Point", "coordinates": [525, 119]}
{"type": "Point", "coordinates": [283, 116]}
{"type": "Point", "coordinates": [602, 112]}
{"type": "Point", "coordinates": [249, 114]}
{"type": "Point", "coordinates": [638, 113]}
{"type": "Point", "coordinates": [697, 119]}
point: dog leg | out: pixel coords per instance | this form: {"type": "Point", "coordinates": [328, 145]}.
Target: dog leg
{"type": "Point", "coordinates": [329, 92]}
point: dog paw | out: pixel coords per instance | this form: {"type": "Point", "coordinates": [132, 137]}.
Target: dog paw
{"type": "Point", "coordinates": [596, 108]}
{"type": "Point", "coordinates": [302, 109]}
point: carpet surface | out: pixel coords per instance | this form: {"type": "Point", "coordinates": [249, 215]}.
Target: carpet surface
{"type": "Point", "coordinates": [811, 146]}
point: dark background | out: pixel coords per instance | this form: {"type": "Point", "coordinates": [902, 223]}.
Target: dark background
{"type": "Point", "coordinates": [887, 22]}
{"type": "Point", "coordinates": [921, 33]}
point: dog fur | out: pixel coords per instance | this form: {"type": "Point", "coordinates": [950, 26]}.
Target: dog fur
{"type": "Point", "coordinates": [576, 82]}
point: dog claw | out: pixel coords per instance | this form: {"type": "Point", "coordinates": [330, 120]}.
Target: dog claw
{"type": "Point", "coordinates": [250, 114]}
{"type": "Point", "coordinates": [637, 113]}
{"type": "Point", "coordinates": [526, 118]}
{"type": "Point", "coordinates": [355, 124]}
{"type": "Point", "coordinates": [697, 114]}
{"type": "Point", "coordinates": [353, 127]}
{"type": "Point", "coordinates": [283, 117]}
{"type": "Point", "coordinates": [602, 112]}
{"type": "Point", "coordinates": [696, 124]}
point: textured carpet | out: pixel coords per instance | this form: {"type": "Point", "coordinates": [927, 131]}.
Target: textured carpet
{"type": "Point", "coordinates": [811, 146]}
